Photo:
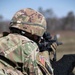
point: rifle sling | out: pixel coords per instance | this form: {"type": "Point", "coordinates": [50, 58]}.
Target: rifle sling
{"type": "Point", "coordinates": [43, 69]}
{"type": "Point", "coordinates": [8, 61]}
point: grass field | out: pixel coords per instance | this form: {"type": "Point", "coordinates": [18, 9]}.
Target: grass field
{"type": "Point", "coordinates": [68, 47]}
{"type": "Point", "coordinates": [68, 40]}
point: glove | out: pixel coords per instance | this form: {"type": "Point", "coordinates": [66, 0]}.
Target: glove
{"type": "Point", "coordinates": [54, 47]}
{"type": "Point", "coordinates": [53, 52]}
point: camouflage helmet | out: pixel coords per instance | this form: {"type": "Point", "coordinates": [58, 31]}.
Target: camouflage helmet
{"type": "Point", "coordinates": [30, 21]}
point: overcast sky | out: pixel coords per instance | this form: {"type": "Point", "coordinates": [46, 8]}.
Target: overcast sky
{"type": "Point", "coordinates": [60, 7]}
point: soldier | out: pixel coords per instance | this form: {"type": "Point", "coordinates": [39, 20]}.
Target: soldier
{"type": "Point", "coordinates": [19, 48]}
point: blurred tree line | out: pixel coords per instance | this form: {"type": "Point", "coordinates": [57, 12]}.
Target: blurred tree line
{"type": "Point", "coordinates": [4, 24]}
{"type": "Point", "coordinates": [53, 21]}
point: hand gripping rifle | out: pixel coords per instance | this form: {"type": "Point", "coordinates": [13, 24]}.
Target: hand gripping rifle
{"type": "Point", "coordinates": [66, 64]}
{"type": "Point", "coordinates": [47, 41]}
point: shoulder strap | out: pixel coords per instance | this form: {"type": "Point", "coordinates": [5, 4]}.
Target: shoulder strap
{"type": "Point", "coordinates": [4, 59]}
{"type": "Point", "coordinates": [43, 69]}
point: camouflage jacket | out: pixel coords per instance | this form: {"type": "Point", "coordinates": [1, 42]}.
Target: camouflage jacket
{"type": "Point", "coordinates": [18, 48]}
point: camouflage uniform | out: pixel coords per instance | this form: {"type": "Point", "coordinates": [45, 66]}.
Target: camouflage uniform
{"type": "Point", "coordinates": [20, 49]}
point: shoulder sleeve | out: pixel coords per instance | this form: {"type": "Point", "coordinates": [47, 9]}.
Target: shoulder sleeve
{"type": "Point", "coordinates": [30, 47]}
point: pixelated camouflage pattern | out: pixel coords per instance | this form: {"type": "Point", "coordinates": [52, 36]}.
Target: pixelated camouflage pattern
{"type": "Point", "coordinates": [19, 48]}
{"type": "Point", "coordinates": [10, 71]}
{"type": "Point", "coordinates": [30, 16]}
{"type": "Point", "coordinates": [1, 65]}
{"type": "Point", "coordinates": [16, 46]}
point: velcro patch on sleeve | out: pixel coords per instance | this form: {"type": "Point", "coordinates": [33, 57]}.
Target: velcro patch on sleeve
{"type": "Point", "coordinates": [42, 60]}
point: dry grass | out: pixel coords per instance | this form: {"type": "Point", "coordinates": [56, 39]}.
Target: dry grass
{"type": "Point", "coordinates": [68, 47]}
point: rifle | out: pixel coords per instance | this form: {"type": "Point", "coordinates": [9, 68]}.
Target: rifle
{"type": "Point", "coordinates": [66, 64]}
{"type": "Point", "coordinates": [47, 41]}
